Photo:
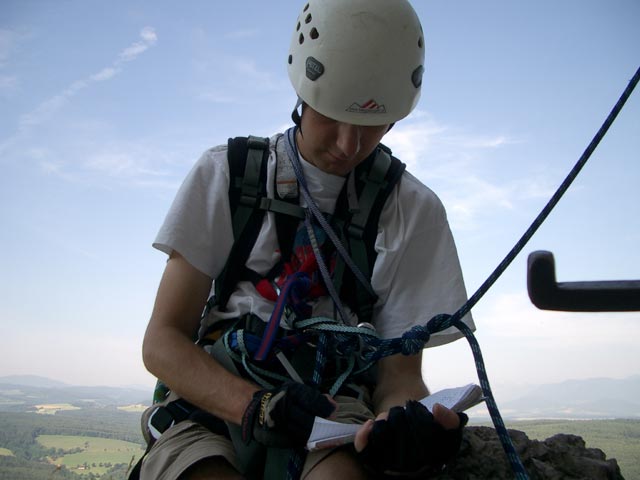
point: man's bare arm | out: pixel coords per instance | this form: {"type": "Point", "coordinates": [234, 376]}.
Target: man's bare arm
{"type": "Point", "coordinates": [170, 354]}
{"type": "Point", "coordinates": [399, 380]}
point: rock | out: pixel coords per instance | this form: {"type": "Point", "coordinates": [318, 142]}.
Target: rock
{"type": "Point", "coordinates": [559, 457]}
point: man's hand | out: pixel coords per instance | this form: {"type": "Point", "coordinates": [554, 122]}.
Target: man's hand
{"type": "Point", "coordinates": [283, 417]}
{"type": "Point", "coordinates": [411, 441]}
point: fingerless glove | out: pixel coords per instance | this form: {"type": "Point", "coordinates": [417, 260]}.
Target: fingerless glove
{"type": "Point", "coordinates": [283, 417]}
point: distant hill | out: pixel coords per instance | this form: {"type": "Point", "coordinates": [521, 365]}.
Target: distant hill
{"type": "Point", "coordinates": [573, 399]}
{"type": "Point", "coordinates": [31, 381]}
{"type": "Point", "coordinates": [578, 399]}
{"type": "Point", "coordinates": [22, 393]}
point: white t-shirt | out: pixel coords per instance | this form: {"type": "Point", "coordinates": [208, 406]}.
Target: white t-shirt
{"type": "Point", "coordinates": [416, 274]}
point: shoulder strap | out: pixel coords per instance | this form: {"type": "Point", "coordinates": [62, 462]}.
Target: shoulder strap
{"type": "Point", "coordinates": [247, 157]}
{"type": "Point", "coordinates": [287, 191]}
{"type": "Point", "coordinates": [374, 180]}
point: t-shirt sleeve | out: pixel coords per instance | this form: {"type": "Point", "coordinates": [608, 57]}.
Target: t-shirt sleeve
{"type": "Point", "coordinates": [417, 273]}
{"type": "Point", "coordinates": [198, 223]}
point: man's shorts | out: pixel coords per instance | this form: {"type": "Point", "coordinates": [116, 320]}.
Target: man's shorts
{"type": "Point", "coordinates": [187, 443]}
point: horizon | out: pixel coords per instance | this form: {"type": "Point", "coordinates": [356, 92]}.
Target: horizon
{"type": "Point", "coordinates": [587, 399]}
{"type": "Point", "coordinates": [104, 119]}
{"type": "Point", "coordinates": [5, 380]}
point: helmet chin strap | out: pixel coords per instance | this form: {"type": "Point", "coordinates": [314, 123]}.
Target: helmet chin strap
{"type": "Point", "coordinates": [297, 116]}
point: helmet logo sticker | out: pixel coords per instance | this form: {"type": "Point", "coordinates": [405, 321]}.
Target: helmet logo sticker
{"type": "Point", "coordinates": [315, 69]}
{"type": "Point", "coordinates": [370, 106]}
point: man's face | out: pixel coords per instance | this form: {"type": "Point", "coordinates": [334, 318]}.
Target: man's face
{"type": "Point", "coordinates": [333, 146]}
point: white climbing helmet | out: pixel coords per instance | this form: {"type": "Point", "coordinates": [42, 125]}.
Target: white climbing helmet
{"type": "Point", "coordinates": [358, 61]}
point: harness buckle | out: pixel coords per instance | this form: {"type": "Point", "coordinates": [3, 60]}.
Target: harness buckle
{"type": "Point", "coordinates": [249, 201]}
{"type": "Point", "coordinates": [355, 231]}
{"type": "Point", "coordinates": [159, 422]}
{"type": "Point", "coordinates": [363, 347]}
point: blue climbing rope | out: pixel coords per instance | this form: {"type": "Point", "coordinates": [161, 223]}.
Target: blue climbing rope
{"type": "Point", "coordinates": [408, 342]}
{"type": "Point", "coordinates": [364, 343]}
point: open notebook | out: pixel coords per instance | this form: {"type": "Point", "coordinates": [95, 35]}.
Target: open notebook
{"type": "Point", "coordinates": [327, 433]}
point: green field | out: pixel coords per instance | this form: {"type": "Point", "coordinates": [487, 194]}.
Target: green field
{"type": "Point", "coordinates": [90, 454]}
{"type": "Point", "coordinates": [134, 408]}
{"type": "Point", "coordinates": [619, 439]}
{"type": "Point", "coordinates": [5, 452]}
{"type": "Point", "coordinates": [52, 408]}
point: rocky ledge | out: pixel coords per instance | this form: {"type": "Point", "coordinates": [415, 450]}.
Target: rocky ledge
{"type": "Point", "coordinates": [558, 457]}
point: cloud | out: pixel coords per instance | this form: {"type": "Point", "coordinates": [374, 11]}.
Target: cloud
{"type": "Point", "coordinates": [8, 82]}
{"type": "Point", "coordinates": [215, 97]}
{"type": "Point", "coordinates": [8, 40]}
{"type": "Point", "coordinates": [117, 362]}
{"type": "Point", "coordinates": [9, 43]}
{"type": "Point", "coordinates": [457, 165]}
{"type": "Point", "coordinates": [148, 35]}
{"type": "Point", "coordinates": [525, 345]}
{"type": "Point", "coordinates": [222, 73]}
{"type": "Point", "coordinates": [149, 39]}
{"type": "Point", "coordinates": [98, 162]}
{"type": "Point", "coordinates": [254, 73]}
{"type": "Point", "coordinates": [48, 108]}
{"type": "Point", "coordinates": [512, 317]}
{"type": "Point", "coordinates": [104, 74]}
{"type": "Point", "coordinates": [121, 164]}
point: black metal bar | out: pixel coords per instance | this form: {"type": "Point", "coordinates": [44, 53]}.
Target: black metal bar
{"type": "Point", "coordinates": [594, 296]}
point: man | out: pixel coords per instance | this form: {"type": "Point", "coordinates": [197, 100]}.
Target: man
{"type": "Point", "coordinates": [357, 69]}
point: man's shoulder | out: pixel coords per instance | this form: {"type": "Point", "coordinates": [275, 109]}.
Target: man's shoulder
{"type": "Point", "coordinates": [416, 190]}
{"type": "Point", "coordinates": [215, 154]}
{"type": "Point", "coordinates": [414, 200]}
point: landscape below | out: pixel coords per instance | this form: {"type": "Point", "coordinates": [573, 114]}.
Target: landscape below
{"type": "Point", "coordinates": [51, 430]}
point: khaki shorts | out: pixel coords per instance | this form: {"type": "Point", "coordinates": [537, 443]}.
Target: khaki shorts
{"type": "Point", "coordinates": [187, 443]}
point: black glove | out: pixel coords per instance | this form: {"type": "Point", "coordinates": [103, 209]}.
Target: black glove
{"type": "Point", "coordinates": [283, 417]}
{"type": "Point", "coordinates": [409, 443]}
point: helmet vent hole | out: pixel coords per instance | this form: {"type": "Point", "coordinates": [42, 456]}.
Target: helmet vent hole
{"type": "Point", "coordinates": [298, 27]}
{"type": "Point", "coordinates": [314, 33]}
{"type": "Point", "coordinates": [306, 7]}
{"type": "Point", "coordinates": [420, 42]}
{"type": "Point", "coordinates": [308, 19]}
{"type": "Point", "coordinates": [290, 59]}
{"type": "Point", "coordinates": [301, 39]}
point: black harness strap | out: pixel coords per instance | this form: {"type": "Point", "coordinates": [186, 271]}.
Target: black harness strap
{"type": "Point", "coordinates": [248, 159]}
{"type": "Point", "coordinates": [375, 179]}
{"type": "Point", "coordinates": [247, 185]}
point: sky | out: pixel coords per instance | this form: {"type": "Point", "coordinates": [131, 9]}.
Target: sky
{"type": "Point", "coordinates": [107, 105]}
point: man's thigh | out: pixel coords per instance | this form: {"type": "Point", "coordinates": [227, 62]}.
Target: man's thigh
{"type": "Point", "coordinates": [183, 448]}
{"type": "Point", "coordinates": [188, 447]}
